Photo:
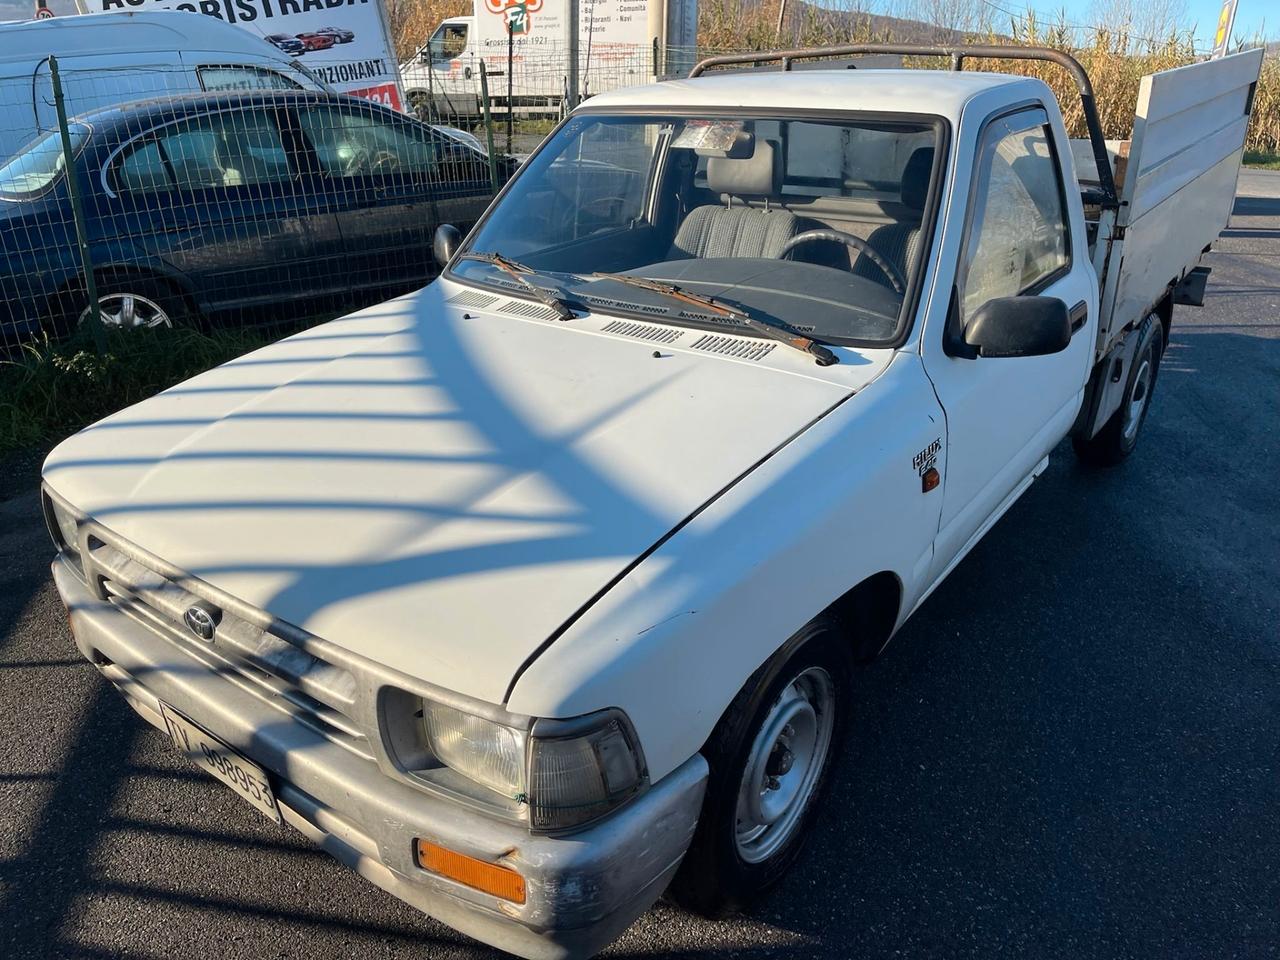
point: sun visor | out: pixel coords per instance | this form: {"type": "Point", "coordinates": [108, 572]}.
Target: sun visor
{"type": "Point", "coordinates": [717, 138]}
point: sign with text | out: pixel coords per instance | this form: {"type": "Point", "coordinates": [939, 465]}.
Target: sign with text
{"type": "Point", "coordinates": [343, 42]}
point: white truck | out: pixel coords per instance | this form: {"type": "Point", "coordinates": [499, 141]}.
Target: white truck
{"type": "Point", "coordinates": [620, 43]}
{"type": "Point", "coordinates": [538, 592]}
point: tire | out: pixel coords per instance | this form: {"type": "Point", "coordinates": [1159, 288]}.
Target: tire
{"type": "Point", "coordinates": [1119, 436]}
{"type": "Point", "coordinates": [726, 867]}
{"type": "Point", "coordinates": [154, 304]}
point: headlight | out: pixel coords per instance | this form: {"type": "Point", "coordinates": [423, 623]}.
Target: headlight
{"type": "Point", "coordinates": [567, 772]}
{"type": "Point", "coordinates": [487, 752]}
{"type": "Point", "coordinates": [63, 528]}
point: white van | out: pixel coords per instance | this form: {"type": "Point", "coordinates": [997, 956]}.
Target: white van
{"type": "Point", "coordinates": [117, 57]}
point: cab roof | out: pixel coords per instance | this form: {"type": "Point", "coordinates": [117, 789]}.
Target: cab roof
{"type": "Point", "coordinates": [938, 92]}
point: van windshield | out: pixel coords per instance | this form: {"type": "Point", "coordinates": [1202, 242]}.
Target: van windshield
{"type": "Point", "coordinates": [815, 224]}
{"type": "Point", "coordinates": [35, 169]}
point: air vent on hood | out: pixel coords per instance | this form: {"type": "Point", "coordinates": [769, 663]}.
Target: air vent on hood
{"type": "Point", "coordinates": [643, 331]}
{"type": "Point", "coordinates": [534, 311]}
{"type": "Point", "coordinates": [473, 298]}
{"type": "Point", "coordinates": [708, 318]}
{"type": "Point", "coordinates": [735, 347]}
{"type": "Point", "coordinates": [611, 304]}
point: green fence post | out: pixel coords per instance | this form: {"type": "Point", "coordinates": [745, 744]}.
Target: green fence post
{"type": "Point", "coordinates": [511, 115]}
{"type": "Point", "coordinates": [77, 210]}
{"type": "Point", "coordinates": [488, 127]}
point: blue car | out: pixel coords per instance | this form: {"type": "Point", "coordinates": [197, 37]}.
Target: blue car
{"type": "Point", "coordinates": [288, 43]}
{"type": "Point", "coordinates": [239, 208]}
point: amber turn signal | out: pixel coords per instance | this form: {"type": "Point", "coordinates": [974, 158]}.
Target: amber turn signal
{"type": "Point", "coordinates": [477, 874]}
{"type": "Point", "coordinates": [930, 479]}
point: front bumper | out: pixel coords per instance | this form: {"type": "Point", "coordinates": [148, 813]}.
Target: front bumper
{"type": "Point", "coordinates": [583, 890]}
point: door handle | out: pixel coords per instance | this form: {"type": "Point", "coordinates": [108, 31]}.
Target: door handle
{"type": "Point", "coordinates": [1078, 315]}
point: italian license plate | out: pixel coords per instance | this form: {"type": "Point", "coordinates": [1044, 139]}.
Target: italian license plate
{"type": "Point", "coordinates": [243, 776]}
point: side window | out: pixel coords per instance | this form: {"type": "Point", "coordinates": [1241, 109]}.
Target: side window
{"type": "Point", "coordinates": [232, 149]}
{"type": "Point", "coordinates": [356, 144]}
{"type": "Point", "coordinates": [449, 41]}
{"type": "Point", "coordinates": [142, 169]}
{"type": "Point", "coordinates": [240, 77]}
{"type": "Point", "coordinates": [1018, 232]}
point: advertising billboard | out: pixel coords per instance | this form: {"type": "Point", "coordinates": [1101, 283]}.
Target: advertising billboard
{"type": "Point", "coordinates": [346, 43]}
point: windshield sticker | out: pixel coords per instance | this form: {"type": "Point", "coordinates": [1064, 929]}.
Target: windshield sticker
{"type": "Point", "coordinates": [709, 134]}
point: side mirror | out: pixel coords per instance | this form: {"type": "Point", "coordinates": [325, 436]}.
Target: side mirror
{"type": "Point", "coordinates": [1019, 327]}
{"type": "Point", "coordinates": [446, 242]}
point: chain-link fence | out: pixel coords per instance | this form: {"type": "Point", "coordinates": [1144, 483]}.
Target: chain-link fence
{"type": "Point", "coordinates": [232, 196]}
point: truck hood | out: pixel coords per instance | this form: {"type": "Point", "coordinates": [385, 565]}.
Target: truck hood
{"type": "Point", "coordinates": [436, 489]}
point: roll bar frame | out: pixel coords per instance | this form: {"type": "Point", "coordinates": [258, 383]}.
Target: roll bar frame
{"type": "Point", "coordinates": [1109, 198]}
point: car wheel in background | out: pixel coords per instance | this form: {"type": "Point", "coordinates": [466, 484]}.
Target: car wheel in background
{"type": "Point", "coordinates": [134, 304]}
{"type": "Point", "coordinates": [770, 757]}
{"type": "Point", "coordinates": [1118, 437]}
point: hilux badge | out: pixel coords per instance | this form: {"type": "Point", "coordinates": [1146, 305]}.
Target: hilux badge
{"type": "Point", "coordinates": [201, 622]}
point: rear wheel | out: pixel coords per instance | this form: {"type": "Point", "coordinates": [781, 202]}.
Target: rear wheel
{"type": "Point", "coordinates": [1118, 437]}
{"type": "Point", "coordinates": [770, 757]}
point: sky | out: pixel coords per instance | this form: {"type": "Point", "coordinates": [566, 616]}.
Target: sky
{"type": "Point", "coordinates": [1250, 15]}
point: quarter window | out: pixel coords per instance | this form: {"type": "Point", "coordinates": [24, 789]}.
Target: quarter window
{"type": "Point", "coordinates": [1018, 235]}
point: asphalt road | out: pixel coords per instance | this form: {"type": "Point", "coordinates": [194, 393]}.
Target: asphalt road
{"type": "Point", "coordinates": [1073, 749]}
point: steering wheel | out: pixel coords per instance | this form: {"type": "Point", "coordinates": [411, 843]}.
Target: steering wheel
{"type": "Point", "coordinates": [354, 164]}
{"type": "Point", "coordinates": [603, 210]}
{"type": "Point", "coordinates": [849, 240]}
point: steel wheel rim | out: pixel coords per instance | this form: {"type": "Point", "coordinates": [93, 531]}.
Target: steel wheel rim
{"type": "Point", "coordinates": [129, 311]}
{"type": "Point", "coordinates": [1138, 398]}
{"type": "Point", "coordinates": [784, 765]}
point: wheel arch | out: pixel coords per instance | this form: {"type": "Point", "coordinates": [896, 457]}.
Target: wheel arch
{"type": "Point", "coordinates": [75, 290]}
{"type": "Point", "coordinates": [869, 612]}
{"type": "Point", "coordinates": [1164, 310]}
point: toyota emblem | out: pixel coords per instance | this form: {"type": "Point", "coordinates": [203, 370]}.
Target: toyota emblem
{"type": "Point", "coordinates": [202, 621]}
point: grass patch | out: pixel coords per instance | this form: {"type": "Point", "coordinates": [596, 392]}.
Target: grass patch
{"type": "Point", "coordinates": [51, 389]}
{"type": "Point", "coordinates": [1262, 160]}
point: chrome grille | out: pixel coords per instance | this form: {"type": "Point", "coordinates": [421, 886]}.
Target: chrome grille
{"type": "Point", "coordinates": [309, 689]}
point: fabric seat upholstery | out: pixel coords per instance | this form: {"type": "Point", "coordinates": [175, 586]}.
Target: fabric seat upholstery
{"type": "Point", "coordinates": [899, 242]}
{"type": "Point", "coordinates": [716, 232]}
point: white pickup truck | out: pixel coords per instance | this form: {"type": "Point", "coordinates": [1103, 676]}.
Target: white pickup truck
{"type": "Point", "coordinates": [538, 592]}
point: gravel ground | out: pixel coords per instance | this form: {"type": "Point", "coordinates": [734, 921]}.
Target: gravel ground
{"type": "Point", "coordinates": [1070, 751]}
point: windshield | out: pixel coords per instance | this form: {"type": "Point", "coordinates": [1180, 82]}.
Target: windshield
{"type": "Point", "coordinates": [35, 169]}
{"type": "Point", "coordinates": [814, 224]}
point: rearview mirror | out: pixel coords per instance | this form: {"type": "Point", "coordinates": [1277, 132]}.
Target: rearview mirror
{"type": "Point", "coordinates": [445, 244]}
{"type": "Point", "coordinates": [1019, 327]}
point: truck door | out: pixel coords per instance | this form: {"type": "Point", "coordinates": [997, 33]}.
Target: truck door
{"type": "Point", "coordinates": [1022, 238]}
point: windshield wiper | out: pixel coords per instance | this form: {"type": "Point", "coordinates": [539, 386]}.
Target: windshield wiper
{"type": "Point", "coordinates": [521, 273]}
{"type": "Point", "coordinates": [821, 354]}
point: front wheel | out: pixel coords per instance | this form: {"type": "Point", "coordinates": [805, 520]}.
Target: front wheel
{"type": "Point", "coordinates": [1118, 437]}
{"type": "Point", "coordinates": [770, 757]}
{"type": "Point", "coordinates": [135, 303]}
